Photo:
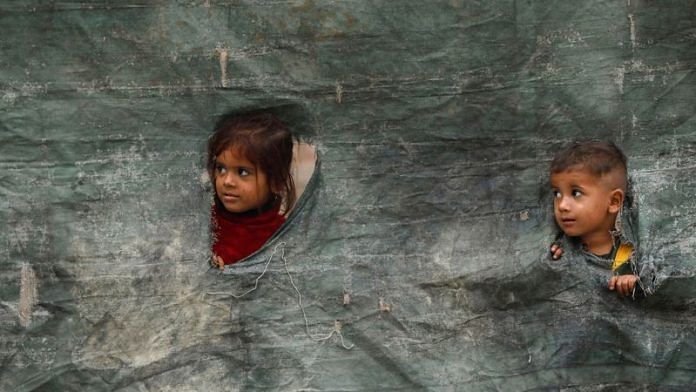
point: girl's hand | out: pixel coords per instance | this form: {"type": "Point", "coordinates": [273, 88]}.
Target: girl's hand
{"type": "Point", "coordinates": [218, 262]}
{"type": "Point", "coordinates": [556, 251]}
{"type": "Point", "coordinates": [624, 284]}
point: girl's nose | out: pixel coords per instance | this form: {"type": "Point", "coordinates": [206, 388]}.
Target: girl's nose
{"type": "Point", "coordinates": [228, 180]}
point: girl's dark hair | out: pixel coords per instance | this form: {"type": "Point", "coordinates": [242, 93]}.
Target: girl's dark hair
{"type": "Point", "coordinates": [263, 140]}
{"type": "Point", "coordinates": [598, 157]}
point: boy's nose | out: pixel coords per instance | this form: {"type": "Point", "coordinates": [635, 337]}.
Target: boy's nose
{"type": "Point", "coordinates": [564, 204]}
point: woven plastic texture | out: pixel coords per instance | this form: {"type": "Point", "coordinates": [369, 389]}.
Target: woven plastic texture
{"type": "Point", "coordinates": [422, 241]}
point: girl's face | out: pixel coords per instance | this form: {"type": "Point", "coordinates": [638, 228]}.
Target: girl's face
{"type": "Point", "coordinates": [238, 184]}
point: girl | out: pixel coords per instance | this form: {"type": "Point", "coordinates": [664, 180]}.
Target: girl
{"type": "Point", "coordinates": [249, 159]}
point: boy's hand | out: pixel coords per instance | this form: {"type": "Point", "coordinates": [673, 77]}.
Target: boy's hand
{"type": "Point", "coordinates": [624, 284]}
{"type": "Point", "coordinates": [556, 251]}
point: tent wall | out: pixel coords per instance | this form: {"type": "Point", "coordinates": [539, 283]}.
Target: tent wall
{"type": "Point", "coordinates": [423, 239]}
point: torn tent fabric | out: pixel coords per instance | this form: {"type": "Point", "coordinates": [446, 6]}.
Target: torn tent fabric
{"type": "Point", "coordinates": [424, 235]}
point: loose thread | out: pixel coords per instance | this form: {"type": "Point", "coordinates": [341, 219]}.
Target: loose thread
{"type": "Point", "coordinates": [337, 324]}
{"type": "Point", "coordinates": [265, 268]}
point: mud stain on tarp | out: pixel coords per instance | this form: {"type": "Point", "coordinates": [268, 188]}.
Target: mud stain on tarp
{"type": "Point", "coordinates": [28, 295]}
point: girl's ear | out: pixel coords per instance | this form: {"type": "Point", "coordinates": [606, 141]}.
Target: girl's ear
{"type": "Point", "coordinates": [273, 187]}
{"type": "Point", "coordinates": [616, 199]}
{"type": "Point", "coordinates": [276, 189]}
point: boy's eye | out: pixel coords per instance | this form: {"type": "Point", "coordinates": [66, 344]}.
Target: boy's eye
{"type": "Point", "coordinates": [576, 193]}
{"type": "Point", "coordinates": [556, 194]}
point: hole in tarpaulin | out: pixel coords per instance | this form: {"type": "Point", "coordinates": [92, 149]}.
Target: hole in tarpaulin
{"type": "Point", "coordinates": [262, 169]}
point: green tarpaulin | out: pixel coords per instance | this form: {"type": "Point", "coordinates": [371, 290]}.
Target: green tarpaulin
{"type": "Point", "coordinates": [422, 240]}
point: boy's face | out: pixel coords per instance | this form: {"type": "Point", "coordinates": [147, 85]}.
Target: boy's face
{"type": "Point", "coordinates": [239, 185]}
{"type": "Point", "coordinates": [584, 205]}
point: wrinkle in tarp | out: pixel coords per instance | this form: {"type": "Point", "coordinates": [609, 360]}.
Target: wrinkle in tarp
{"type": "Point", "coordinates": [424, 238]}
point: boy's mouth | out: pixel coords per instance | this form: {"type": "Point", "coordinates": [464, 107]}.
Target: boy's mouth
{"type": "Point", "coordinates": [567, 221]}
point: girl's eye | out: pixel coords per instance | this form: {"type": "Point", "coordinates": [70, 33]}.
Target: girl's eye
{"type": "Point", "coordinates": [576, 193]}
{"type": "Point", "coordinates": [243, 172]}
{"type": "Point", "coordinates": [220, 169]}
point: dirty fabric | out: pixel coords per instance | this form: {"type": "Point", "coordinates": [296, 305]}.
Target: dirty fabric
{"type": "Point", "coordinates": [422, 239]}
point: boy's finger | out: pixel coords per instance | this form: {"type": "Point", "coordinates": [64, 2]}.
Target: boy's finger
{"type": "Point", "coordinates": [556, 251]}
{"type": "Point", "coordinates": [621, 285]}
{"type": "Point", "coordinates": [627, 287]}
{"type": "Point", "coordinates": [630, 284]}
{"type": "Point", "coordinates": [612, 283]}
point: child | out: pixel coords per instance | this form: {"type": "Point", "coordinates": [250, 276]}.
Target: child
{"type": "Point", "coordinates": [249, 158]}
{"type": "Point", "coordinates": [589, 181]}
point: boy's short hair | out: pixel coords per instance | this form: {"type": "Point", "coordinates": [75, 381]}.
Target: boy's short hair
{"type": "Point", "coordinates": [598, 158]}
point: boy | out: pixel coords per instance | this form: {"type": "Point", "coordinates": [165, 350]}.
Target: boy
{"type": "Point", "coordinates": [589, 181]}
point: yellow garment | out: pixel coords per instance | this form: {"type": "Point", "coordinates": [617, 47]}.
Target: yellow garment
{"type": "Point", "coordinates": [622, 255]}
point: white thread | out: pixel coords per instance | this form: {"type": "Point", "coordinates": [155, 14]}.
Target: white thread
{"type": "Point", "coordinates": [265, 268]}
{"type": "Point", "coordinates": [337, 324]}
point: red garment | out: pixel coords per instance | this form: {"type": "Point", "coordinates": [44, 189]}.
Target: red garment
{"type": "Point", "coordinates": [236, 236]}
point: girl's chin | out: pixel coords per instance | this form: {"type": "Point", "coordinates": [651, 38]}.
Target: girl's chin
{"type": "Point", "coordinates": [236, 210]}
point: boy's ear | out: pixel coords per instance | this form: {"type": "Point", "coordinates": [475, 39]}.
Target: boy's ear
{"type": "Point", "coordinates": [616, 199]}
